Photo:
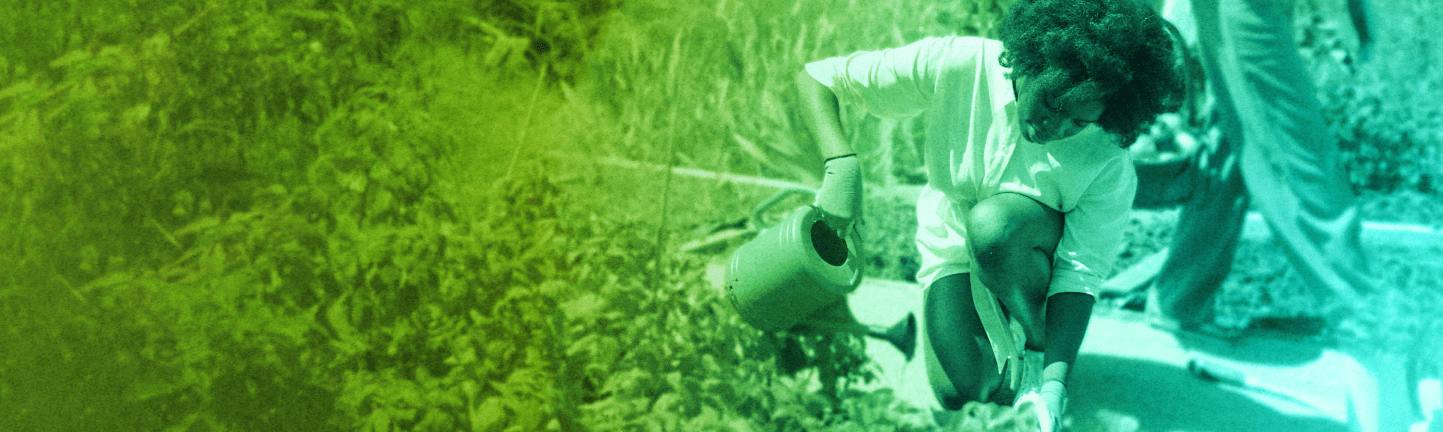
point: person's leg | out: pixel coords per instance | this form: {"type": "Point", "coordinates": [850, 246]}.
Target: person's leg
{"type": "Point", "coordinates": [1202, 250]}
{"type": "Point", "coordinates": [1206, 238]}
{"type": "Point", "coordinates": [1012, 239]}
{"type": "Point", "coordinates": [1289, 159]}
{"type": "Point", "coordinates": [956, 344]}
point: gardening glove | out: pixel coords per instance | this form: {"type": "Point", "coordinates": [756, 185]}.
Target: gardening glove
{"type": "Point", "coordinates": [1047, 403]}
{"type": "Point", "coordinates": [840, 197]}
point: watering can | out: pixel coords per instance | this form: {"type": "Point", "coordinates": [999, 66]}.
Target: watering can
{"type": "Point", "coordinates": [796, 275]}
{"type": "Point", "coordinates": [792, 270]}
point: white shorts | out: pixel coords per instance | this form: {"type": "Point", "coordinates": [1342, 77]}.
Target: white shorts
{"type": "Point", "coordinates": [942, 241]}
{"type": "Point", "coordinates": [941, 237]}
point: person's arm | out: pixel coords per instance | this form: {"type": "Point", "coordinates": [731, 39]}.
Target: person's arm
{"type": "Point", "coordinates": [890, 83]}
{"type": "Point", "coordinates": [1092, 232]}
{"type": "Point", "coordinates": [840, 197]}
{"type": "Point", "coordinates": [1068, 315]}
{"type": "Point", "coordinates": [822, 115]}
{"type": "Point", "coordinates": [881, 82]}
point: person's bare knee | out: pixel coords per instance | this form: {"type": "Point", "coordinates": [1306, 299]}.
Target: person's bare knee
{"type": "Point", "coordinates": [1012, 239]}
{"type": "Point", "coordinates": [988, 232]}
{"type": "Point", "coordinates": [1009, 223]}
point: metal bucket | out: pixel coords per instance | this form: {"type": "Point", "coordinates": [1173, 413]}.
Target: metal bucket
{"type": "Point", "coordinates": [792, 270]}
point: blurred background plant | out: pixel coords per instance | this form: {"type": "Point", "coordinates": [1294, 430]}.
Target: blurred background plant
{"type": "Point", "coordinates": [1383, 107]}
{"type": "Point", "coordinates": [291, 216]}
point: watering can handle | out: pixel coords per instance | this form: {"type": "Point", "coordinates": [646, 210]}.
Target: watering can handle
{"type": "Point", "coordinates": [756, 218]}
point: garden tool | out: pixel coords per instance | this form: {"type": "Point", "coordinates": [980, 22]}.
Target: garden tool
{"type": "Point", "coordinates": [791, 270]}
{"type": "Point", "coordinates": [902, 335]}
{"type": "Point", "coordinates": [1020, 368]}
{"type": "Point", "coordinates": [1216, 372]}
{"type": "Point", "coordinates": [800, 271]}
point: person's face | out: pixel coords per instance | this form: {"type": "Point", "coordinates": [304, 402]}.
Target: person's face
{"type": "Point", "coordinates": [1042, 119]}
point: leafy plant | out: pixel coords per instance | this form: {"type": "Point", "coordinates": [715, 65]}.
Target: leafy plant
{"type": "Point", "coordinates": [1380, 108]}
{"type": "Point", "coordinates": [239, 221]}
{"type": "Point", "coordinates": [267, 216]}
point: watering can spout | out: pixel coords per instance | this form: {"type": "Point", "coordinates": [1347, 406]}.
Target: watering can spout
{"type": "Point", "coordinates": [902, 335]}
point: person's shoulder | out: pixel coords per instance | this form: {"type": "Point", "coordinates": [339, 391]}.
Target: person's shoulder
{"type": "Point", "coordinates": [964, 44]}
{"type": "Point", "coordinates": [1101, 147]}
{"type": "Point", "coordinates": [1110, 165]}
{"type": "Point", "coordinates": [992, 45]}
{"type": "Point", "coordinates": [960, 54]}
{"type": "Point", "coordinates": [1116, 160]}
{"type": "Point", "coordinates": [1102, 141]}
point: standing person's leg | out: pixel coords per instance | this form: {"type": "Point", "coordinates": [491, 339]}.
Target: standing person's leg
{"type": "Point", "coordinates": [1289, 158]}
{"type": "Point", "coordinates": [1207, 232]}
{"type": "Point", "coordinates": [1291, 166]}
{"type": "Point", "coordinates": [1202, 249]}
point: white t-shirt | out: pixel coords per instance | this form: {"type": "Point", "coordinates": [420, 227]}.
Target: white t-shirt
{"type": "Point", "coordinates": [974, 150]}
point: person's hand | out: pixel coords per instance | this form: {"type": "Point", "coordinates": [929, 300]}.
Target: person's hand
{"type": "Point", "coordinates": [840, 197]}
{"type": "Point", "coordinates": [1047, 403]}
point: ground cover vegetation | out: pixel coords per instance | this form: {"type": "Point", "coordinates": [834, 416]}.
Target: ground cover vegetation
{"type": "Point", "coordinates": [380, 215]}
{"type": "Point", "coordinates": [259, 216]}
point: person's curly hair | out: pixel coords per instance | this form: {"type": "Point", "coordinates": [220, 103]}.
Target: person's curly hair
{"type": "Point", "coordinates": [1078, 50]}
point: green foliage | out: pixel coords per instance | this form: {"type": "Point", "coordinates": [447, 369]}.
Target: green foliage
{"type": "Point", "coordinates": [251, 215]}
{"type": "Point", "coordinates": [725, 74]}
{"type": "Point", "coordinates": [890, 238]}
{"type": "Point", "coordinates": [233, 216]}
{"type": "Point", "coordinates": [246, 220]}
{"type": "Point", "coordinates": [555, 34]}
{"type": "Point", "coordinates": [1382, 109]}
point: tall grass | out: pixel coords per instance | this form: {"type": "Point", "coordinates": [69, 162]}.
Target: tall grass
{"type": "Point", "coordinates": [716, 78]}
